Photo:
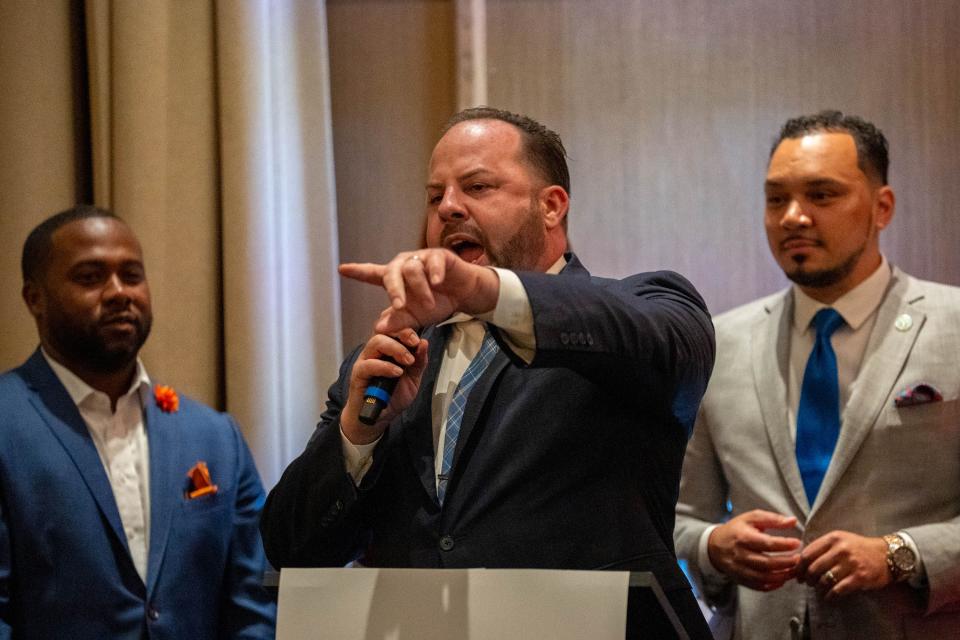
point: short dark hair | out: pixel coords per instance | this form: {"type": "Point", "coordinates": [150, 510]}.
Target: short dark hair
{"type": "Point", "coordinates": [542, 147]}
{"type": "Point", "coordinates": [37, 247]}
{"type": "Point", "coordinates": [872, 148]}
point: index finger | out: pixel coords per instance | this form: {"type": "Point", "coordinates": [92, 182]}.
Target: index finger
{"type": "Point", "coordinates": [367, 272]}
{"type": "Point", "coordinates": [817, 548]}
{"type": "Point", "coordinates": [770, 564]}
{"type": "Point", "coordinates": [776, 544]}
{"type": "Point", "coordinates": [408, 337]}
{"type": "Point", "coordinates": [381, 345]}
{"type": "Point", "coordinates": [811, 553]}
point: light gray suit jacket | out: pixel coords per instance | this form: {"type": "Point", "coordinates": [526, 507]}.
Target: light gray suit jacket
{"type": "Point", "coordinates": [893, 468]}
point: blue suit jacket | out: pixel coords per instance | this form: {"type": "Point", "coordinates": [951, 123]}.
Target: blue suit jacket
{"type": "Point", "coordinates": [65, 569]}
{"type": "Point", "coordinates": [570, 462]}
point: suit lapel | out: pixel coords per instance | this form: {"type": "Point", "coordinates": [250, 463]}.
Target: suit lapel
{"type": "Point", "coordinates": [167, 483]}
{"type": "Point", "coordinates": [886, 354]}
{"type": "Point", "coordinates": [419, 440]}
{"type": "Point", "coordinates": [61, 415]}
{"type": "Point", "coordinates": [771, 335]}
{"type": "Point", "coordinates": [481, 390]}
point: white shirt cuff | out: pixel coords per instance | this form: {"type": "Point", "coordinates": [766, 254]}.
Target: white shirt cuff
{"type": "Point", "coordinates": [707, 569]}
{"type": "Point", "coordinates": [357, 457]}
{"type": "Point", "coordinates": [513, 315]}
{"type": "Point", "coordinates": [919, 578]}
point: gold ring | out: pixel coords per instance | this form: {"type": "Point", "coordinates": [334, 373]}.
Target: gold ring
{"type": "Point", "coordinates": [414, 257]}
{"type": "Point", "coordinates": [831, 578]}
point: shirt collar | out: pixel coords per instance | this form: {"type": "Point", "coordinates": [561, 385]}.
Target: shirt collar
{"type": "Point", "coordinates": [855, 305]}
{"type": "Point", "coordinates": [554, 269]}
{"type": "Point", "coordinates": [558, 266]}
{"type": "Point", "coordinates": [80, 390]}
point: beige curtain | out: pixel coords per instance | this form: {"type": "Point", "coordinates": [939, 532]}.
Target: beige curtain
{"type": "Point", "coordinates": [37, 157]}
{"type": "Point", "coordinates": [155, 163]}
{"type": "Point", "coordinates": [210, 134]}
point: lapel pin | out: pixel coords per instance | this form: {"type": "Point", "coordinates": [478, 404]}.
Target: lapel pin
{"type": "Point", "coordinates": [903, 322]}
{"type": "Point", "coordinates": [166, 398]}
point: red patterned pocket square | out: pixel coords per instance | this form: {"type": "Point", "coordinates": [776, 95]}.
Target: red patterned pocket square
{"type": "Point", "coordinates": [200, 483]}
{"type": "Point", "coordinates": [921, 393]}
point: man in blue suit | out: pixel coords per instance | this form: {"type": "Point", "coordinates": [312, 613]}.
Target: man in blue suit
{"type": "Point", "coordinates": [125, 510]}
{"type": "Point", "coordinates": [565, 452]}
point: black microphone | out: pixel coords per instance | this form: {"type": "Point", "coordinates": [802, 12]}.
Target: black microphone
{"type": "Point", "coordinates": [377, 395]}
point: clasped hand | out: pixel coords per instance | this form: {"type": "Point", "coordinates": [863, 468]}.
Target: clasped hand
{"type": "Point", "coordinates": [837, 563]}
{"type": "Point", "coordinates": [741, 549]}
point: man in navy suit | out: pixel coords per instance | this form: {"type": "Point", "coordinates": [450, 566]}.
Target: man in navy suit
{"type": "Point", "coordinates": [566, 451]}
{"type": "Point", "coordinates": [125, 510]}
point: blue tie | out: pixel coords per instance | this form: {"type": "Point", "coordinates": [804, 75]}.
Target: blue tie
{"type": "Point", "coordinates": [818, 417]}
{"type": "Point", "coordinates": [457, 405]}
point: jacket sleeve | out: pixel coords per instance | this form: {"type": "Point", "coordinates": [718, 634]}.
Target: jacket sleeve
{"type": "Point", "coordinates": [6, 615]}
{"type": "Point", "coordinates": [247, 610]}
{"type": "Point", "coordinates": [312, 517]}
{"type": "Point", "coordinates": [645, 338]}
{"type": "Point", "coordinates": [702, 503]}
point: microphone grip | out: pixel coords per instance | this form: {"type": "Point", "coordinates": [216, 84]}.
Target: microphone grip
{"type": "Point", "coordinates": [377, 397]}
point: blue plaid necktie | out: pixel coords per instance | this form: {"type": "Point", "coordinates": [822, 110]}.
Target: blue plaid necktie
{"type": "Point", "coordinates": [457, 405]}
{"type": "Point", "coordinates": [818, 417]}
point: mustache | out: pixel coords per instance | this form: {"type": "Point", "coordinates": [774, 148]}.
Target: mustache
{"type": "Point", "coordinates": [113, 318]}
{"type": "Point", "coordinates": [798, 236]}
{"type": "Point", "coordinates": [464, 228]}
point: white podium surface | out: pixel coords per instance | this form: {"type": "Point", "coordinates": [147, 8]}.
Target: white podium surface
{"type": "Point", "coordinates": [451, 604]}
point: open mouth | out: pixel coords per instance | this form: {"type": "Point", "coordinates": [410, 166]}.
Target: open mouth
{"type": "Point", "coordinates": [467, 249]}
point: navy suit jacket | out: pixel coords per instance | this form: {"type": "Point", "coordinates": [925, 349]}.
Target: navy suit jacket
{"type": "Point", "coordinates": [570, 462]}
{"type": "Point", "coordinates": [65, 569]}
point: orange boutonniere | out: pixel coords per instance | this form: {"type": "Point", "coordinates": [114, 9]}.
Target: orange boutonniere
{"type": "Point", "coordinates": [167, 398]}
{"type": "Point", "coordinates": [200, 483]}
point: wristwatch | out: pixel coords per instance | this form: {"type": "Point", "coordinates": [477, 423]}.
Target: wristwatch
{"type": "Point", "coordinates": [901, 560]}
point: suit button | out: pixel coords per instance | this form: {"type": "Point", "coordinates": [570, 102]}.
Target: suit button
{"type": "Point", "coordinates": [581, 339]}
{"type": "Point", "coordinates": [590, 339]}
{"type": "Point", "coordinates": [564, 337]}
{"type": "Point", "coordinates": [153, 614]}
{"type": "Point", "coordinates": [446, 543]}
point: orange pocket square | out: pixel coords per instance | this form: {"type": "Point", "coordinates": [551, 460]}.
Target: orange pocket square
{"type": "Point", "coordinates": [200, 482]}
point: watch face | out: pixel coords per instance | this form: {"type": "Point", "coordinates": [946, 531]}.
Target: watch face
{"type": "Point", "coordinates": [903, 559]}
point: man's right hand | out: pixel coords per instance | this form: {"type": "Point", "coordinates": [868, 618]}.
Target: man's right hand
{"type": "Point", "coordinates": [369, 364]}
{"type": "Point", "coordinates": [427, 286]}
{"type": "Point", "coordinates": [741, 550]}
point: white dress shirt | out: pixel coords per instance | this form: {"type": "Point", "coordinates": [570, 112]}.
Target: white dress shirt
{"type": "Point", "coordinates": [120, 437]}
{"type": "Point", "coordinates": [858, 307]}
{"type": "Point", "coordinates": [512, 315]}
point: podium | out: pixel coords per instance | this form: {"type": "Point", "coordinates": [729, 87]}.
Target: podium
{"type": "Point", "coordinates": [471, 604]}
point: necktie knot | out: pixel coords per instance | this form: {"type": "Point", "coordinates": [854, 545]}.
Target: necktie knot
{"type": "Point", "coordinates": [826, 321]}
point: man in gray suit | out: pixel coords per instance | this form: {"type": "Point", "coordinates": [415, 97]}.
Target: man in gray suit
{"type": "Point", "coordinates": [821, 489]}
